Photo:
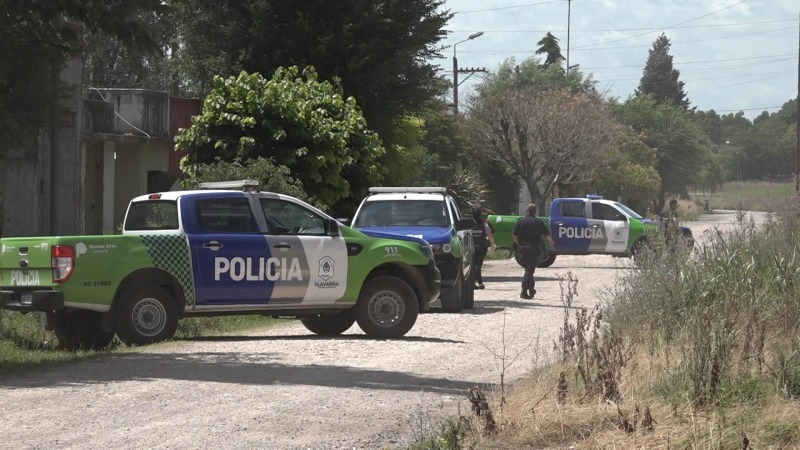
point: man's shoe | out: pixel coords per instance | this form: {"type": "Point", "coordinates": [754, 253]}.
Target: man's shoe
{"type": "Point", "coordinates": [524, 295]}
{"type": "Point", "coordinates": [532, 292]}
{"type": "Point", "coordinates": [480, 286]}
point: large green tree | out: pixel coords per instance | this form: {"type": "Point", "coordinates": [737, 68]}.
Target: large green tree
{"type": "Point", "coordinates": [660, 79]}
{"type": "Point", "coordinates": [38, 37]}
{"type": "Point", "coordinates": [298, 122]}
{"type": "Point", "coordinates": [381, 51]}
{"type": "Point", "coordinates": [683, 151]}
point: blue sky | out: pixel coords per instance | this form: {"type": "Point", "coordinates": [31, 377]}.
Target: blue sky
{"type": "Point", "coordinates": [732, 54]}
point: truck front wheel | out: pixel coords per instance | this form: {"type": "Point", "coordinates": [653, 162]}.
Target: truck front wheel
{"type": "Point", "coordinates": [80, 330]}
{"type": "Point", "coordinates": [548, 260]}
{"type": "Point", "coordinates": [387, 307]}
{"type": "Point", "coordinates": [146, 314]}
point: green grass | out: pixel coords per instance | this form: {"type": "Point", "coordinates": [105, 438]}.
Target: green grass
{"type": "Point", "coordinates": [747, 196]}
{"type": "Point", "coordinates": [25, 345]}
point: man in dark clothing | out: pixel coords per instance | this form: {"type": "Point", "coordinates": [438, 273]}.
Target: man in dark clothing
{"type": "Point", "coordinates": [528, 236]}
{"type": "Point", "coordinates": [669, 222]}
{"type": "Point", "coordinates": [482, 237]}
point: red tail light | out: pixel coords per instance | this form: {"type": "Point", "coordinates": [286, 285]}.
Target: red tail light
{"type": "Point", "coordinates": [63, 261]}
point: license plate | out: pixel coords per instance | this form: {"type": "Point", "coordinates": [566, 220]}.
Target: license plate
{"type": "Point", "coordinates": [26, 298]}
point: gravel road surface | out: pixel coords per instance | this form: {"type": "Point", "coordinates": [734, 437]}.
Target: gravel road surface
{"type": "Point", "coordinates": [283, 388]}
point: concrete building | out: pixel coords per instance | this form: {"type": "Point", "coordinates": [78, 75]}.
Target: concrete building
{"type": "Point", "coordinates": [108, 146]}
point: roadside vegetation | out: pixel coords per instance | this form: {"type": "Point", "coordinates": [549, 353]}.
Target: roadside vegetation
{"type": "Point", "coordinates": [687, 350]}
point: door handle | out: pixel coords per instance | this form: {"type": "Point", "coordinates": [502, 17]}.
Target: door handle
{"type": "Point", "coordinates": [594, 226]}
{"type": "Point", "coordinates": [560, 224]}
{"type": "Point", "coordinates": [287, 246]}
{"type": "Point", "coordinates": [213, 245]}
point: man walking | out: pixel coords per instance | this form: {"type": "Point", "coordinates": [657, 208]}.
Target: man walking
{"type": "Point", "coordinates": [482, 237]}
{"type": "Point", "coordinates": [528, 236]}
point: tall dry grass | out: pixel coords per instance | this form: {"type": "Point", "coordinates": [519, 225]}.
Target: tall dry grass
{"type": "Point", "coordinates": [688, 351]}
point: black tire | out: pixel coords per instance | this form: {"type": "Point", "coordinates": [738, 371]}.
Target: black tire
{"type": "Point", "coordinates": [548, 260]}
{"type": "Point", "coordinates": [387, 307]}
{"type": "Point", "coordinates": [469, 291]}
{"type": "Point", "coordinates": [328, 326]}
{"type": "Point", "coordinates": [81, 330]}
{"type": "Point", "coordinates": [452, 300]}
{"type": "Point", "coordinates": [145, 314]}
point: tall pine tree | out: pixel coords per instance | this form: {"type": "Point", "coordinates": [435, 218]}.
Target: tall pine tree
{"type": "Point", "coordinates": [660, 79]}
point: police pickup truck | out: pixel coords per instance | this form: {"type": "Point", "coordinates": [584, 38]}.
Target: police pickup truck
{"type": "Point", "coordinates": [588, 226]}
{"type": "Point", "coordinates": [218, 252]}
{"type": "Point", "coordinates": [428, 213]}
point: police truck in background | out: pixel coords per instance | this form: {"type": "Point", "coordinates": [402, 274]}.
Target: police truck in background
{"type": "Point", "coordinates": [588, 226]}
{"type": "Point", "coordinates": [218, 252]}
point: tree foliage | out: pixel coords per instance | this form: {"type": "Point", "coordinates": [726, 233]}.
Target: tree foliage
{"type": "Point", "coordinates": [381, 52]}
{"type": "Point", "coordinates": [273, 178]}
{"type": "Point", "coordinates": [549, 46]}
{"type": "Point", "coordinates": [299, 122]}
{"type": "Point", "coordinates": [543, 137]}
{"type": "Point", "coordinates": [38, 37]}
{"type": "Point", "coordinates": [660, 78]}
{"type": "Point", "coordinates": [683, 150]}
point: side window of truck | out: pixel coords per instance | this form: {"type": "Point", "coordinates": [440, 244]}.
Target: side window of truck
{"type": "Point", "coordinates": [288, 218]}
{"type": "Point", "coordinates": [225, 215]}
{"type": "Point", "coordinates": [602, 211]}
{"type": "Point", "coordinates": [572, 209]}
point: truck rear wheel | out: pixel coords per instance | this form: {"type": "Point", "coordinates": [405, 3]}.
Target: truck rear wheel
{"type": "Point", "coordinates": [329, 326]}
{"type": "Point", "coordinates": [387, 307]}
{"type": "Point", "coordinates": [81, 330]}
{"type": "Point", "coordinates": [146, 314]}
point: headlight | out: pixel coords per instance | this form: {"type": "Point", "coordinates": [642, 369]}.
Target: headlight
{"type": "Point", "coordinates": [426, 250]}
{"type": "Point", "coordinates": [442, 248]}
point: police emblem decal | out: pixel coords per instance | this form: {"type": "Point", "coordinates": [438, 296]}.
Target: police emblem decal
{"type": "Point", "coordinates": [326, 268]}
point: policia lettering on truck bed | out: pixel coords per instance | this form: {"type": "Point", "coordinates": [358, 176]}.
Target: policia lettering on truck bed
{"type": "Point", "coordinates": [212, 252]}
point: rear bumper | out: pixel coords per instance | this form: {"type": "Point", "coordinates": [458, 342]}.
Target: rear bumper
{"type": "Point", "coordinates": [43, 300]}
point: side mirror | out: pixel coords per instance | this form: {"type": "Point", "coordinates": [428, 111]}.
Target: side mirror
{"type": "Point", "coordinates": [465, 223]}
{"type": "Point", "coordinates": [332, 227]}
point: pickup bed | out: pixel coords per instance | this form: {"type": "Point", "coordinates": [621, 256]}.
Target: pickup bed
{"type": "Point", "coordinates": [218, 252]}
{"type": "Point", "coordinates": [588, 226]}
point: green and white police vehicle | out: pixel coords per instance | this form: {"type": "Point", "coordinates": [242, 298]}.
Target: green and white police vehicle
{"type": "Point", "coordinates": [218, 252]}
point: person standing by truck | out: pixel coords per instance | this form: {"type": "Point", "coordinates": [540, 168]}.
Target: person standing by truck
{"type": "Point", "coordinates": [669, 222]}
{"type": "Point", "coordinates": [528, 234]}
{"type": "Point", "coordinates": [482, 238]}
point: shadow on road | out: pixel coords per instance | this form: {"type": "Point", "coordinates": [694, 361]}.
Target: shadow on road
{"type": "Point", "coordinates": [234, 368]}
{"type": "Point", "coordinates": [313, 337]}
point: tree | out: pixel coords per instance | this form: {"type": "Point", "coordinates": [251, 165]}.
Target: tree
{"type": "Point", "coordinates": [683, 150]}
{"type": "Point", "coordinates": [548, 45]}
{"type": "Point", "coordinates": [110, 62]}
{"type": "Point", "coordinates": [660, 79]}
{"type": "Point", "coordinates": [38, 37]}
{"type": "Point", "coordinates": [297, 121]}
{"type": "Point", "coordinates": [272, 178]}
{"type": "Point", "coordinates": [543, 137]}
{"type": "Point", "coordinates": [629, 173]}
{"type": "Point", "coordinates": [381, 52]}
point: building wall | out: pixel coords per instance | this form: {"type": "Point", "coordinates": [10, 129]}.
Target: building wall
{"type": "Point", "coordinates": [132, 163]}
{"type": "Point", "coordinates": [181, 111]}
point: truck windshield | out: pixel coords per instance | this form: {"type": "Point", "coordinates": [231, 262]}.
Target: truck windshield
{"type": "Point", "coordinates": [402, 213]}
{"type": "Point", "coordinates": [152, 215]}
{"type": "Point", "coordinates": [630, 212]}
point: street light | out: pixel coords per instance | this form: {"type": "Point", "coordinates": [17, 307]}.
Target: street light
{"type": "Point", "coordinates": [455, 69]}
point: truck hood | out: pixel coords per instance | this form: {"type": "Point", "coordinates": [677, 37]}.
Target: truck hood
{"type": "Point", "coordinates": [378, 233]}
{"type": "Point", "coordinates": [434, 235]}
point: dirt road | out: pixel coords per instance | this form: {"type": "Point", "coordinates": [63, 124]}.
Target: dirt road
{"type": "Point", "coordinates": [283, 388]}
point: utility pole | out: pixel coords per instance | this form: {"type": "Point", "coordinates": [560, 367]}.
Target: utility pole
{"type": "Point", "coordinates": [797, 125]}
{"type": "Point", "coordinates": [455, 70]}
{"type": "Point", "coordinates": [569, 20]}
